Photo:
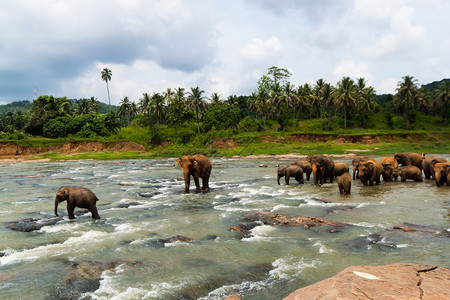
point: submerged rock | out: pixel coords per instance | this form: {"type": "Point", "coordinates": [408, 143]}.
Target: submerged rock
{"type": "Point", "coordinates": [396, 281]}
{"type": "Point", "coordinates": [31, 224]}
{"type": "Point", "coordinates": [126, 205]}
{"type": "Point", "coordinates": [148, 194]}
{"type": "Point", "coordinates": [85, 276]}
{"type": "Point", "coordinates": [270, 218]}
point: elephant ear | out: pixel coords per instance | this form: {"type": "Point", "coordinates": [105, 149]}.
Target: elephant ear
{"type": "Point", "coordinates": [63, 192]}
{"type": "Point", "coordinates": [371, 165]}
{"type": "Point", "coordinates": [194, 162]}
{"type": "Point", "coordinates": [434, 162]}
{"type": "Point", "coordinates": [179, 162]}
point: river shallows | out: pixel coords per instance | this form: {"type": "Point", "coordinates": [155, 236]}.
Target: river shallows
{"type": "Point", "coordinates": [138, 220]}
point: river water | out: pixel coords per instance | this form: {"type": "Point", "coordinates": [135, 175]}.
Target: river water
{"type": "Point", "coordinates": [136, 221]}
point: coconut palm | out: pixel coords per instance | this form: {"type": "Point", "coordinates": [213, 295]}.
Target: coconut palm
{"type": "Point", "coordinates": [106, 76]}
{"type": "Point", "coordinates": [215, 98]}
{"type": "Point", "coordinates": [83, 107]}
{"type": "Point", "coordinates": [144, 108]}
{"type": "Point", "coordinates": [345, 95]}
{"type": "Point", "coordinates": [125, 109]}
{"type": "Point", "coordinates": [197, 103]}
{"type": "Point", "coordinates": [317, 96]}
{"type": "Point", "coordinates": [168, 95]}
{"type": "Point", "coordinates": [304, 93]}
{"type": "Point", "coordinates": [443, 97]}
{"type": "Point", "coordinates": [367, 102]}
{"type": "Point", "coordinates": [157, 108]}
{"type": "Point", "coordinates": [406, 96]}
{"type": "Point", "coordinates": [328, 100]}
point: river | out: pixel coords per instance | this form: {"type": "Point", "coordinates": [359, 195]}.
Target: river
{"type": "Point", "coordinates": [212, 261]}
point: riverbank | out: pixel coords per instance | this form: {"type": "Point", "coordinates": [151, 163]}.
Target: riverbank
{"type": "Point", "coordinates": [291, 146]}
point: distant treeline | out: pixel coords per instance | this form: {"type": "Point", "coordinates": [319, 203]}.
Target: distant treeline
{"type": "Point", "coordinates": [276, 103]}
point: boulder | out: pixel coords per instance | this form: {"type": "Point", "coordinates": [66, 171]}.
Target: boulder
{"type": "Point", "coordinates": [31, 224]}
{"type": "Point", "coordinates": [396, 281]}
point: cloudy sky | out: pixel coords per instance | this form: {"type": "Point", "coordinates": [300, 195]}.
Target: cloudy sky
{"type": "Point", "coordinates": [59, 47]}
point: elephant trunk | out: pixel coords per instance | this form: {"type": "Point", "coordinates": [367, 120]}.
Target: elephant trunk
{"type": "Point", "coordinates": [278, 179]}
{"type": "Point", "coordinates": [56, 206]}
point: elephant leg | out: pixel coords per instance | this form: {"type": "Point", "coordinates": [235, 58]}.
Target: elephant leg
{"type": "Point", "coordinates": [187, 183]}
{"type": "Point", "coordinates": [287, 178]}
{"type": "Point", "coordinates": [70, 210]}
{"type": "Point", "coordinates": [205, 181]}
{"type": "Point", "coordinates": [94, 213]}
{"type": "Point", "coordinates": [197, 184]}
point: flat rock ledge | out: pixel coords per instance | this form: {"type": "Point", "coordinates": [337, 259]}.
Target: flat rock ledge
{"type": "Point", "coordinates": [396, 281]}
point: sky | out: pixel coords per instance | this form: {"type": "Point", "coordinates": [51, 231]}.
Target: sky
{"type": "Point", "coordinates": [60, 47]}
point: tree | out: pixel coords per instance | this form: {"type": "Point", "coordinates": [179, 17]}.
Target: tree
{"type": "Point", "coordinates": [443, 98]}
{"type": "Point", "coordinates": [197, 103]}
{"type": "Point", "coordinates": [345, 96]}
{"type": "Point", "coordinates": [406, 96]}
{"type": "Point", "coordinates": [215, 98]}
{"type": "Point", "coordinates": [125, 109]}
{"type": "Point", "coordinates": [144, 107]}
{"type": "Point", "coordinates": [157, 108]}
{"type": "Point", "coordinates": [280, 75]}
{"type": "Point", "coordinates": [329, 101]}
{"type": "Point", "coordinates": [106, 76]}
{"type": "Point", "coordinates": [367, 102]}
{"type": "Point", "coordinates": [317, 96]}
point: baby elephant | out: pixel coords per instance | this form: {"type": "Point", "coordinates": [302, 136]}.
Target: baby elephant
{"type": "Point", "coordinates": [290, 171]}
{"type": "Point", "coordinates": [77, 197]}
{"type": "Point", "coordinates": [345, 184]}
{"type": "Point", "coordinates": [410, 172]}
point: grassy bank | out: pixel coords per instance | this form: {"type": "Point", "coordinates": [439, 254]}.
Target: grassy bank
{"type": "Point", "coordinates": [227, 144]}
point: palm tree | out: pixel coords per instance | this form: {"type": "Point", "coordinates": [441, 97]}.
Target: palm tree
{"type": "Point", "coordinates": [94, 104]}
{"type": "Point", "coordinates": [83, 107]}
{"type": "Point", "coordinates": [328, 99]}
{"type": "Point", "coordinates": [106, 76]}
{"type": "Point", "coordinates": [144, 104]}
{"type": "Point", "coordinates": [367, 102]}
{"type": "Point", "coordinates": [346, 96]}
{"type": "Point", "coordinates": [196, 102]}
{"type": "Point", "coordinates": [304, 93]}
{"type": "Point", "coordinates": [443, 97]}
{"type": "Point", "coordinates": [125, 109]}
{"type": "Point", "coordinates": [158, 108]}
{"type": "Point", "coordinates": [168, 95]}
{"type": "Point", "coordinates": [406, 96]}
{"type": "Point", "coordinates": [317, 96]}
{"type": "Point", "coordinates": [215, 98]}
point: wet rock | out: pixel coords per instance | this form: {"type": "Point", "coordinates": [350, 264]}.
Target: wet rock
{"type": "Point", "coordinates": [233, 297]}
{"type": "Point", "coordinates": [340, 208]}
{"type": "Point", "coordinates": [263, 166]}
{"type": "Point", "coordinates": [364, 243]}
{"type": "Point", "coordinates": [423, 230]}
{"type": "Point", "coordinates": [148, 195]}
{"type": "Point", "coordinates": [126, 205]}
{"type": "Point", "coordinates": [242, 230]}
{"type": "Point", "coordinates": [83, 277]}
{"type": "Point", "coordinates": [405, 281]}
{"type": "Point", "coordinates": [126, 183]}
{"type": "Point", "coordinates": [160, 243]}
{"type": "Point", "coordinates": [31, 224]}
{"type": "Point", "coordinates": [269, 218]}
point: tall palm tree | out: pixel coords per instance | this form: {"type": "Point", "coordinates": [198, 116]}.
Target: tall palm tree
{"type": "Point", "coordinates": [196, 102]}
{"type": "Point", "coordinates": [158, 108]}
{"type": "Point", "coordinates": [94, 104]}
{"type": "Point", "coordinates": [406, 96]}
{"type": "Point", "coordinates": [168, 95]}
{"type": "Point", "coordinates": [106, 76]}
{"type": "Point", "coordinates": [346, 96]}
{"type": "Point", "coordinates": [304, 93]}
{"type": "Point", "coordinates": [125, 109]}
{"type": "Point", "coordinates": [367, 102]}
{"type": "Point", "coordinates": [443, 97]}
{"type": "Point", "coordinates": [317, 96]}
{"type": "Point", "coordinates": [215, 98]}
{"type": "Point", "coordinates": [328, 99]}
{"type": "Point", "coordinates": [83, 107]}
{"type": "Point", "coordinates": [144, 107]}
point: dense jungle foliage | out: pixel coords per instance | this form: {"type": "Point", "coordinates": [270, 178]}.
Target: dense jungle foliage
{"type": "Point", "coordinates": [179, 116]}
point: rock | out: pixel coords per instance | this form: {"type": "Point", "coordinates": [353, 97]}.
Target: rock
{"type": "Point", "coordinates": [270, 218]}
{"type": "Point", "coordinates": [404, 228]}
{"type": "Point", "coordinates": [233, 297]}
{"type": "Point", "coordinates": [396, 281]}
{"type": "Point", "coordinates": [148, 195]}
{"type": "Point", "coordinates": [31, 224]}
{"type": "Point", "coordinates": [159, 243]}
{"type": "Point", "coordinates": [263, 166]}
{"type": "Point", "coordinates": [83, 277]}
{"type": "Point", "coordinates": [126, 183]}
{"type": "Point", "coordinates": [126, 205]}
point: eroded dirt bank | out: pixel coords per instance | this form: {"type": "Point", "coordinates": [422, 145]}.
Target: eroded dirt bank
{"type": "Point", "coordinates": [11, 149]}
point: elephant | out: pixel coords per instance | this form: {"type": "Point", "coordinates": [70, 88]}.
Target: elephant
{"type": "Point", "coordinates": [409, 158]}
{"type": "Point", "coordinates": [428, 168]}
{"type": "Point", "coordinates": [389, 165]}
{"type": "Point", "coordinates": [345, 184]}
{"type": "Point", "coordinates": [340, 168]}
{"type": "Point", "coordinates": [306, 167]}
{"type": "Point", "coordinates": [199, 166]}
{"type": "Point", "coordinates": [355, 163]}
{"type": "Point", "coordinates": [442, 174]}
{"type": "Point", "coordinates": [410, 172]}
{"type": "Point", "coordinates": [394, 174]}
{"type": "Point", "coordinates": [77, 197]}
{"type": "Point", "coordinates": [370, 172]}
{"type": "Point", "coordinates": [290, 171]}
{"type": "Point", "coordinates": [322, 168]}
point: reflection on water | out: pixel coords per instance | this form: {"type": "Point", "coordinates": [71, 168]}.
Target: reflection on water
{"type": "Point", "coordinates": [154, 242]}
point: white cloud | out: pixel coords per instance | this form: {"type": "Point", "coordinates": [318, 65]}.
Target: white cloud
{"type": "Point", "coordinates": [351, 69]}
{"type": "Point", "coordinates": [258, 49]}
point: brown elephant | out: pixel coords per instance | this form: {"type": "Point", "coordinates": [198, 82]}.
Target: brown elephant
{"type": "Point", "coordinates": [340, 168]}
{"type": "Point", "coordinates": [199, 166]}
{"type": "Point", "coordinates": [410, 172]}
{"type": "Point", "coordinates": [389, 165]}
{"type": "Point", "coordinates": [428, 168]}
{"type": "Point", "coordinates": [77, 197]}
{"type": "Point", "coordinates": [306, 167]}
{"type": "Point", "coordinates": [322, 168]}
{"type": "Point", "coordinates": [290, 171]}
{"type": "Point", "coordinates": [355, 163]}
{"type": "Point", "coordinates": [409, 159]}
{"type": "Point", "coordinates": [345, 184]}
{"type": "Point", "coordinates": [370, 172]}
{"type": "Point", "coordinates": [442, 174]}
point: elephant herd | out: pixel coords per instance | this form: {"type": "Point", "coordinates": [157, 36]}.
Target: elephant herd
{"type": "Point", "coordinates": [406, 165]}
